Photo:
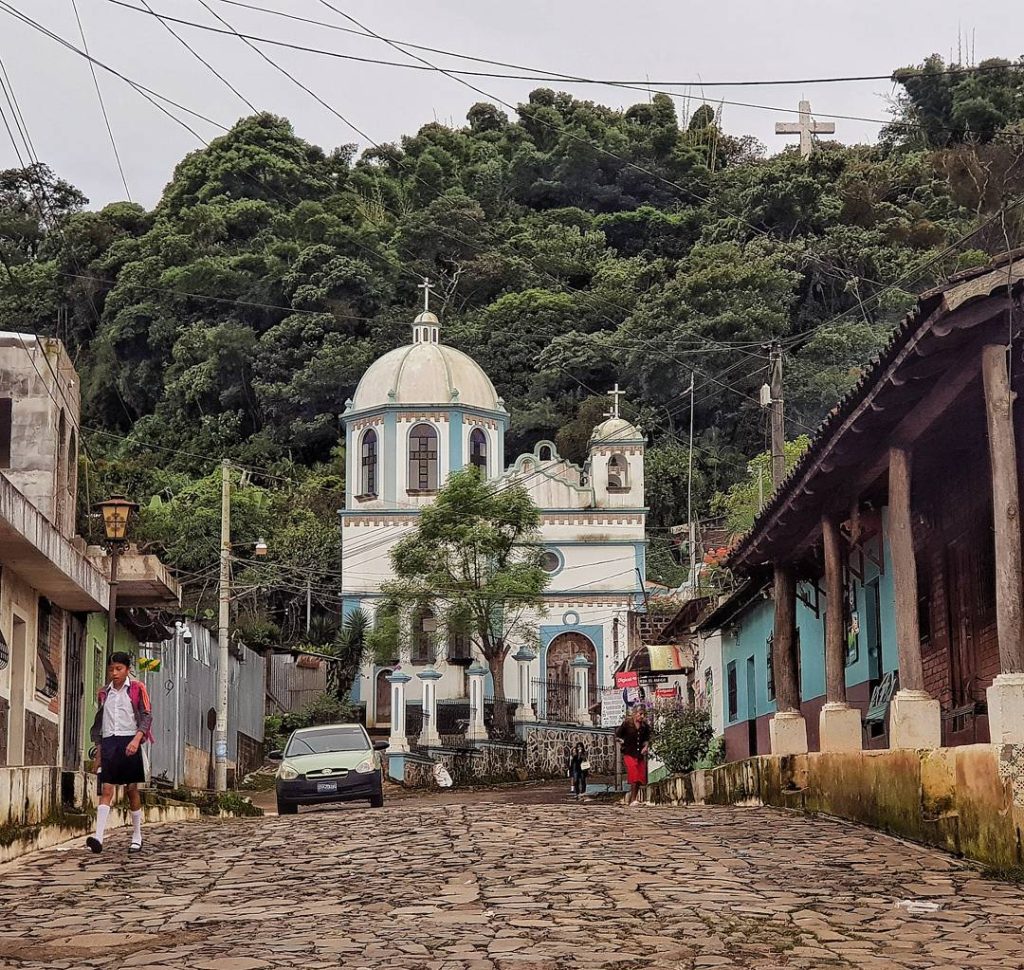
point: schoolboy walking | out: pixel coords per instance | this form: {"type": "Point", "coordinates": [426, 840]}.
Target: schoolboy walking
{"type": "Point", "coordinates": [123, 721]}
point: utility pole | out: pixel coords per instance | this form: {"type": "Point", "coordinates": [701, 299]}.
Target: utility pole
{"type": "Point", "coordinates": [223, 632]}
{"type": "Point", "coordinates": [778, 424]}
{"type": "Point", "coordinates": [689, 501]}
{"type": "Point", "coordinates": [309, 604]}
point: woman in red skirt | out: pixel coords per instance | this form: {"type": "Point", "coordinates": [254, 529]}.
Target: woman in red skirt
{"type": "Point", "coordinates": [634, 735]}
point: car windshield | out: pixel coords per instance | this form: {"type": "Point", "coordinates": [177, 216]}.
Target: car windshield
{"type": "Point", "coordinates": [326, 741]}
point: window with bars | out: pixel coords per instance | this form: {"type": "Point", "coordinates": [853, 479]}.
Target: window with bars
{"type": "Point", "coordinates": [46, 674]}
{"type": "Point", "coordinates": [423, 459]}
{"type": "Point", "coordinates": [423, 629]}
{"type": "Point", "coordinates": [6, 430]}
{"type": "Point", "coordinates": [368, 464]}
{"type": "Point", "coordinates": [733, 690]}
{"type": "Point", "coordinates": [478, 450]}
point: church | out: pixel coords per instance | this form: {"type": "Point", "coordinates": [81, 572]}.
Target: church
{"type": "Point", "coordinates": [425, 410]}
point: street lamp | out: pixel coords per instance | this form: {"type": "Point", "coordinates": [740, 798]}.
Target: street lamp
{"type": "Point", "coordinates": [116, 511]}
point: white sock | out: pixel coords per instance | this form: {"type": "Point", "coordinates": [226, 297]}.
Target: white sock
{"type": "Point", "coordinates": [102, 812]}
{"type": "Point", "coordinates": [137, 827]}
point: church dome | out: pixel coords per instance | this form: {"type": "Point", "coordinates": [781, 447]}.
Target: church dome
{"type": "Point", "coordinates": [426, 373]}
{"type": "Point", "coordinates": [615, 429]}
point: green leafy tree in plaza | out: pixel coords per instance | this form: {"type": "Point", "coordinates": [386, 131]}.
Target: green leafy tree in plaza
{"type": "Point", "coordinates": [474, 559]}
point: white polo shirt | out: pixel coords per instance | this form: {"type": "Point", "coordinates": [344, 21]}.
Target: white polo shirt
{"type": "Point", "coordinates": [118, 714]}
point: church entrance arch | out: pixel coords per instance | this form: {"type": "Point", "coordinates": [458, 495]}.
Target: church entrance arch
{"type": "Point", "coordinates": [383, 699]}
{"type": "Point", "coordinates": [562, 650]}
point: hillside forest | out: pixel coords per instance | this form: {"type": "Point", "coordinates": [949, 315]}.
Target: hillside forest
{"type": "Point", "coordinates": [572, 246]}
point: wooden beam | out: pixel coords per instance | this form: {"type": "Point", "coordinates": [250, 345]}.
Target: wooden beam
{"type": "Point", "coordinates": [904, 569]}
{"type": "Point", "coordinates": [835, 652]}
{"type": "Point", "coordinates": [1006, 509]}
{"type": "Point", "coordinates": [941, 397]}
{"type": "Point", "coordinates": [787, 688]}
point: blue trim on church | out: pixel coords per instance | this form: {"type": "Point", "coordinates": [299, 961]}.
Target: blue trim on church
{"type": "Point", "coordinates": [455, 459]}
{"type": "Point", "coordinates": [593, 632]}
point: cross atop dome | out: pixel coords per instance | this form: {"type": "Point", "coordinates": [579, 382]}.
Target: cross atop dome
{"type": "Point", "coordinates": [426, 286]}
{"type": "Point", "coordinates": [426, 328]}
{"type": "Point", "coordinates": [615, 394]}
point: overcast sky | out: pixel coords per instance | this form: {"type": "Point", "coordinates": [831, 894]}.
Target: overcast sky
{"type": "Point", "coordinates": [680, 41]}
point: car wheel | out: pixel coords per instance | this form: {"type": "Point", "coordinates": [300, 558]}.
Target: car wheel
{"type": "Point", "coordinates": [286, 808]}
{"type": "Point", "coordinates": [377, 799]}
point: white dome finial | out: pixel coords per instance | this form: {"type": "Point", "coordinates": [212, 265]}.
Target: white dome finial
{"type": "Point", "coordinates": [425, 328]}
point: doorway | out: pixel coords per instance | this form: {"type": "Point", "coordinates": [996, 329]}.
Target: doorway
{"type": "Point", "coordinates": [74, 688]}
{"type": "Point", "coordinates": [751, 706]}
{"type": "Point", "coordinates": [19, 673]}
{"type": "Point", "coordinates": [383, 699]}
{"type": "Point", "coordinates": [559, 687]}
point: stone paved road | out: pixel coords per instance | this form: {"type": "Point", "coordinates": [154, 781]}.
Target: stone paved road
{"type": "Point", "coordinates": [487, 885]}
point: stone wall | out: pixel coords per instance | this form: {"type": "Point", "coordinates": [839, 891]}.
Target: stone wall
{"type": "Point", "coordinates": [543, 752]}
{"type": "Point", "coordinates": [548, 747]}
{"type": "Point", "coordinates": [41, 740]}
{"type": "Point", "coordinates": [968, 800]}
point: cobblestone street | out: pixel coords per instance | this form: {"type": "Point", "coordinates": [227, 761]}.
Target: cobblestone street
{"type": "Point", "coordinates": [435, 884]}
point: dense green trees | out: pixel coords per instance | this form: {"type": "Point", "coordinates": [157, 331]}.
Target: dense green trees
{"type": "Point", "coordinates": [572, 245]}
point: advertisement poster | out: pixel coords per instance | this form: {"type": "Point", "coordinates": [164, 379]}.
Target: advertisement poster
{"type": "Point", "coordinates": [613, 707]}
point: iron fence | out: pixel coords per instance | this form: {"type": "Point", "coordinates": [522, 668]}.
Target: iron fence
{"type": "Point", "coordinates": [557, 700]}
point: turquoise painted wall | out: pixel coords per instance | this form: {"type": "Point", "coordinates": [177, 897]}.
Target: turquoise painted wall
{"type": "Point", "coordinates": [754, 625]}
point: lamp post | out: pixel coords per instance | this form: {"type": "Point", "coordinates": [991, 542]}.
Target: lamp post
{"type": "Point", "coordinates": [116, 511]}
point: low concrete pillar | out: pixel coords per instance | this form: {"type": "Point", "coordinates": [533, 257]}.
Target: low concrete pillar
{"type": "Point", "coordinates": [787, 733]}
{"type": "Point", "coordinates": [581, 689]}
{"type": "Point", "coordinates": [429, 735]}
{"type": "Point", "coordinates": [398, 742]}
{"type": "Point", "coordinates": [915, 720]}
{"type": "Point", "coordinates": [839, 728]}
{"type": "Point", "coordinates": [1006, 709]}
{"type": "Point", "coordinates": [524, 658]}
{"type": "Point", "coordinates": [477, 730]}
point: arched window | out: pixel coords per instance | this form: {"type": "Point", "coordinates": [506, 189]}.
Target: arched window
{"type": "Point", "coordinates": [423, 459]}
{"type": "Point", "coordinates": [478, 450]}
{"type": "Point", "coordinates": [545, 453]}
{"type": "Point", "coordinates": [368, 464]}
{"type": "Point", "coordinates": [618, 472]}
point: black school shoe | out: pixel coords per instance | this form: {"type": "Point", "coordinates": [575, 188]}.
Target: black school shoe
{"type": "Point", "coordinates": [134, 847]}
{"type": "Point", "coordinates": [95, 844]}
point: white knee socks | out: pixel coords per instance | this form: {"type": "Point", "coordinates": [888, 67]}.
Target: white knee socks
{"type": "Point", "coordinates": [137, 827]}
{"type": "Point", "coordinates": [102, 812]}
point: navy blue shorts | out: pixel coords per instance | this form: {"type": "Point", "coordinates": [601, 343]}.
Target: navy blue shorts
{"type": "Point", "coordinates": [117, 767]}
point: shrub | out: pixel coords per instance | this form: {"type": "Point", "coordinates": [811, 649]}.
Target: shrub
{"type": "Point", "coordinates": [714, 756]}
{"type": "Point", "coordinates": [682, 737]}
{"type": "Point", "coordinates": [326, 709]}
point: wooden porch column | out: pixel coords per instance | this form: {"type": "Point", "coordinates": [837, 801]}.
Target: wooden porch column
{"type": "Point", "coordinates": [787, 729]}
{"type": "Point", "coordinates": [1006, 695]}
{"type": "Point", "coordinates": [1006, 509]}
{"type": "Point", "coordinates": [838, 724]}
{"type": "Point", "coordinates": [914, 718]}
{"type": "Point", "coordinates": [835, 649]}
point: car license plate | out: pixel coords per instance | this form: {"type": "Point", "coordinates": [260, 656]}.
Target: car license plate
{"type": "Point", "coordinates": [325, 787]}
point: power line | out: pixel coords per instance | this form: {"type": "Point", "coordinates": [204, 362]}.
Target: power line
{"type": "Point", "coordinates": [643, 87]}
{"type": "Point", "coordinates": [164, 22]}
{"type": "Point", "coordinates": [543, 74]}
{"type": "Point", "coordinates": [103, 106]}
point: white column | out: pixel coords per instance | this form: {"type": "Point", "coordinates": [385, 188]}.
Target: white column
{"type": "Point", "coordinates": [524, 658]}
{"type": "Point", "coordinates": [476, 731]}
{"type": "Point", "coordinates": [398, 741]}
{"type": "Point", "coordinates": [429, 735]}
{"type": "Point", "coordinates": [581, 689]}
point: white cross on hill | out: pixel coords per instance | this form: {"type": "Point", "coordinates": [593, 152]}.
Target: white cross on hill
{"type": "Point", "coordinates": [805, 128]}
